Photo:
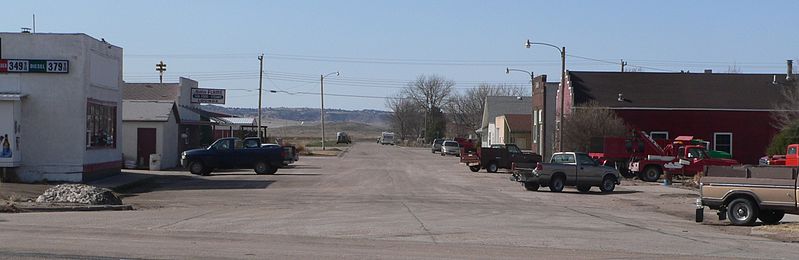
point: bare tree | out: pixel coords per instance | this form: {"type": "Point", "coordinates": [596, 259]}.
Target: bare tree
{"type": "Point", "coordinates": [786, 113]}
{"type": "Point", "coordinates": [588, 122]}
{"type": "Point", "coordinates": [734, 69]}
{"type": "Point", "coordinates": [466, 109]}
{"type": "Point", "coordinates": [432, 93]}
{"type": "Point", "coordinates": [406, 119]}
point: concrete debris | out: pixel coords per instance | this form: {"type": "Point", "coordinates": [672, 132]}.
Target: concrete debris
{"type": "Point", "coordinates": [7, 207]}
{"type": "Point", "coordinates": [79, 193]}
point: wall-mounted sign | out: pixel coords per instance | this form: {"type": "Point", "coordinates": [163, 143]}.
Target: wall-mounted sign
{"type": "Point", "coordinates": [34, 66]}
{"type": "Point", "coordinates": [208, 96]}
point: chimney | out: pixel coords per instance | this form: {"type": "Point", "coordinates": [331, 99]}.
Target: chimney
{"type": "Point", "coordinates": [708, 71]}
{"type": "Point", "coordinates": [789, 75]}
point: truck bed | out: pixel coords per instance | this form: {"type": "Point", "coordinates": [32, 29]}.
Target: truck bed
{"type": "Point", "coordinates": [770, 184]}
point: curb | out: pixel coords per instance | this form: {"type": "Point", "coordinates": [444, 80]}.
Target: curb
{"type": "Point", "coordinates": [76, 208]}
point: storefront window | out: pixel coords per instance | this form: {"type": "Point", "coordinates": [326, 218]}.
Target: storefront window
{"type": "Point", "coordinates": [101, 125]}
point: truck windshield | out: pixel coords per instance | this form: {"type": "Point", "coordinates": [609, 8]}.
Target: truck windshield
{"type": "Point", "coordinates": [696, 153]}
{"type": "Point", "coordinates": [563, 158]}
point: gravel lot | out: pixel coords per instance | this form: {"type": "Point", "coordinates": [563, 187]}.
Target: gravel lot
{"type": "Point", "coordinates": [384, 202]}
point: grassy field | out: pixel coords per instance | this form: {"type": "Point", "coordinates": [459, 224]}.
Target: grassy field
{"type": "Point", "coordinates": [311, 135]}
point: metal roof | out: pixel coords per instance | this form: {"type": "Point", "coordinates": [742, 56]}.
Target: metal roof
{"type": "Point", "coordinates": [238, 120]}
{"type": "Point", "coordinates": [496, 106]}
{"type": "Point", "coordinates": [699, 91]}
{"type": "Point", "coordinates": [12, 96]}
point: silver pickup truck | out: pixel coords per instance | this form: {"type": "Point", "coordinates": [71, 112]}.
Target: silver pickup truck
{"type": "Point", "coordinates": [567, 169]}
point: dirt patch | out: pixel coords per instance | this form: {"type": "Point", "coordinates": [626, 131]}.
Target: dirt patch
{"type": "Point", "coordinates": [788, 232]}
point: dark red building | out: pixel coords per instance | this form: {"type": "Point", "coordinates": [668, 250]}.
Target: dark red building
{"type": "Point", "coordinates": [731, 111]}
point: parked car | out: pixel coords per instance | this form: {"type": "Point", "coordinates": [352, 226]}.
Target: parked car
{"type": "Point", "coordinates": [342, 138]}
{"type": "Point", "coordinates": [567, 169]}
{"type": "Point", "coordinates": [745, 194]}
{"type": "Point", "coordinates": [234, 153]}
{"type": "Point", "coordinates": [386, 138]}
{"type": "Point", "coordinates": [436, 145]}
{"type": "Point", "coordinates": [498, 156]}
{"type": "Point", "coordinates": [450, 148]}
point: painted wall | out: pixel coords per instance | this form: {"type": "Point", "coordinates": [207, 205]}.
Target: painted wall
{"type": "Point", "coordinates": [752, 131]}
{"type": "Point", "coordinates": [166, 141]}
{"type": "Point", "coordinates": [53, 125]}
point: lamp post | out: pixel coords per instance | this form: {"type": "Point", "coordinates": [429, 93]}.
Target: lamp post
{"type": "Point", "coordinates": [322, 95]}
{"type": "Point", "coordinates": [562, 89]}
{"type": "Point", "coordinates": [532, 107]}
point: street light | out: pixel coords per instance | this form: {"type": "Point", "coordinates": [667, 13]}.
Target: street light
{"type": "Point", "coordinates": [532, 107]}
{"type": "Point", "coordinates": [322, 94]}
{"type": "Point", "coordinates": [562, 89]}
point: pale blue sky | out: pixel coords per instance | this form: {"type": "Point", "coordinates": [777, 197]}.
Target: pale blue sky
{"type": "Point", "coordinates": [380, 45]}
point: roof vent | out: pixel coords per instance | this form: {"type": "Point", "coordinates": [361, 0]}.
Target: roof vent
{"type": "Point", "coordinates": [621, 98]}
{"type": "Point", "coordinates": [25, 30]}
{"type": "Point", "coordinates": [708, 71]}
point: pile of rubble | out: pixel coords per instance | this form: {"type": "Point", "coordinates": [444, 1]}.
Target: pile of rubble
{"type": "Point", "coordinates": [79, 193]}
{"type": "Point", "coordinates": [7, 207]}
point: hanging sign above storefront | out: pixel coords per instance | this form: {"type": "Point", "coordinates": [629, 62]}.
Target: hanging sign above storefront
{"type": "Point", "coordinates": [208, 96]}
{"type": "Point", "coordinates": [34, 66]}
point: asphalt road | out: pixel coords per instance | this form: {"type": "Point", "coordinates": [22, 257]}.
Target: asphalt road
{"type": "Point", "coordinates": [380, 202]}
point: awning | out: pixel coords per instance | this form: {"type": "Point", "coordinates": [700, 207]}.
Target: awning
{"type": "Point", "coordinates": [12, 96]}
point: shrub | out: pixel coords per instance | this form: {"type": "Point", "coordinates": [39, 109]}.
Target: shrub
{"type": "Point", "coordinates": [788, 135]}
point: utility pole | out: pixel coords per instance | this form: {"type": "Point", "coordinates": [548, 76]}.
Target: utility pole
{"type": "Point", "coordinates": [562, 95]}
{"type": "Point", "coordinates": [160, 67]}
{"type": "Point", "coordinates": [623, 63]}
{"type": "Point", "coordinates": [322, 92]}
{"type": "Point", "coordinates": [532, 111]}
{"type": "Point", "coordinates": [260, 92]}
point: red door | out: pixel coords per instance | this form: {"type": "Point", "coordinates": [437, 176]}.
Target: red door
{"type": "Point", "coordinates": [145, 146]}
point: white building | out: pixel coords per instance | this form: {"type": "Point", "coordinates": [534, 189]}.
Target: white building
{"type": "Point", "coordinates": [60, 102]}
{"type": "Point", "coordinates": [150, 127]}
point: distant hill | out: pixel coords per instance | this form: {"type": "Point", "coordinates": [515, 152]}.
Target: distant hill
{"type": "Point", "coordinates": [283, 116]}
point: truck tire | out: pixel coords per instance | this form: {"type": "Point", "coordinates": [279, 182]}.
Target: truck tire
{"type": "Point", "coordinates": [771, 217]}
{"type": "Point", "coordinates": [742, 212]}
{"type": "Point", "coordinates": [608, 184]}
{"type": "Point", "coordinates": [492, 167]}
{"type": "Point", "coordinates": [474, 168]}
{"type": "Point", "coordinates": [264, 168]}
{"type": "Point", "coordinates": [651, 174]}
{"type": "Point", "coordinates": [583, 188]}
{"type": "Point", "coordinates": [557, 183]}
{"type": "Point", "coordinates": [531, 186]}
{"type": "Point", "coordinates": [198, 168]}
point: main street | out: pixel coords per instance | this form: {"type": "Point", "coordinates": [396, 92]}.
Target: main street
{"type": "Point", "coordinates": [380, 202]}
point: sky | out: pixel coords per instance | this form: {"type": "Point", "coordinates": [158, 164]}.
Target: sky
{"type": "Point", "coordinates": [380, 46]}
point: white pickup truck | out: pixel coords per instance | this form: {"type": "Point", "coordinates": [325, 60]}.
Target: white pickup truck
{"type": "Point", "coordinates": [567, 169]}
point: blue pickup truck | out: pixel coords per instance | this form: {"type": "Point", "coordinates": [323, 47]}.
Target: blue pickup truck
{"type": "Point", "coordinates": [234, 153]}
